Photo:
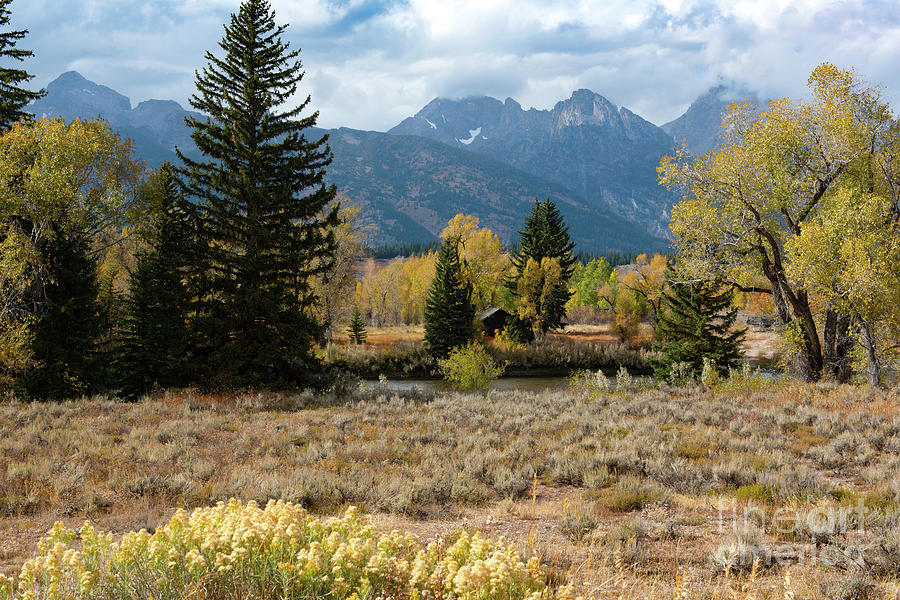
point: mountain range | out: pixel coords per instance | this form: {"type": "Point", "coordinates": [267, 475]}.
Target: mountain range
{"type": "Point", "coordinates": [479, 156]}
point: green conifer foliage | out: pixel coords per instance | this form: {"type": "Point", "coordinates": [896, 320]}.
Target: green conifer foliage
{"type": "Point", "coordinates": [357, 329]}
{"type": "Point", "coordinates": [153, 346]}
{"type": "Point", "coordinates": [696, 322]}
{"type": "Point", "coordinates": [449, 313]}
{"type": "Point", "coordinates": [13, 98]}
{"type": "Point", "coordinates": [64, 345]}
{"type": "Point", "coordinates": [545, 235]}
{"type": "Point", "coordinates": [259, 194]}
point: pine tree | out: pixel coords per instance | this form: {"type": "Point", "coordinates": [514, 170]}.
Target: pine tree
{"type": "Point", "coordinates": [357, 329]}
{"type": "Point", "coordinates": [545, 235]}
{"type": "Point", "coordinates": [259, 193]}
{"type": "Point", "coordinates": [449, 313]}
{"type": "Point", "coordinates": [696, 322]}
{"type": "Point", "coordinates": [153, 346]}
{"type": "Point", "coordinates": [13, 98]}
{"type": "Point", "coordinates": [65, 334]}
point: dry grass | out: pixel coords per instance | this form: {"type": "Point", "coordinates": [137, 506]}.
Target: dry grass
{"type": "Point", "coordinates": [624, 495]}
{"type": "Point", "coordinates": [386, 336]}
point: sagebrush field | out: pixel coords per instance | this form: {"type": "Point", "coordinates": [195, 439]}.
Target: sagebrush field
{"type": "Point", "coordinates": [620, 494]}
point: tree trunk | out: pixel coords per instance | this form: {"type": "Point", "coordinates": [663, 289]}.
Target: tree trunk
{"type": "Point", "coordinates": [792, 308]}
{"type": "Point", "coordinates": [873, 368]}
{"type": "Point", "coordinates": [837, 345]}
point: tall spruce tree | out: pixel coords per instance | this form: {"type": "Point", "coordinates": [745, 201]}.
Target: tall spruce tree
{"type": "Point", "coordinates": [545, 235]}
{"type": "Point", "coordinates": [259, 193]}
{"type": "Point", "coordinates": [13, 97]}
{"type": "Point", "coordinates": [449, 313]}
{"type": "Point", "coordinates": [153, 345]}
{"type": "Point", "coordinates": [64, 347]}
{"type": "Point", "coordinates": [696, 322]}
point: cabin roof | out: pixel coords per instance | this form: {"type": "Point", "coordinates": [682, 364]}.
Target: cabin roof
{"type": "Point", "coordinates": [491, 312]}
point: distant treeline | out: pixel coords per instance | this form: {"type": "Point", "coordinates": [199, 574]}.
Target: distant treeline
{"type": "Point", "coordinates": [405, 249]}
{"type": "Point", "coordinates": [421, 248]}
{"type": "Point", "coordinates": [613, 258]}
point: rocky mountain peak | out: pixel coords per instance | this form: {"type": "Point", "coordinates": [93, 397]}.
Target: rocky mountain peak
{"type": "Point", "coordinates": [75, 95]}
{"type": "Point", "coordinates": [585, 107]}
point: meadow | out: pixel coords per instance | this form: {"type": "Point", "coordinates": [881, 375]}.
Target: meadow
{"type": "Point", "coordinates": [656, 492]}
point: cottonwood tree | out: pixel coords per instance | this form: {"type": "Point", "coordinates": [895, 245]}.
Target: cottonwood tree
{"type": "Point", "coordinates": [628, 309]}
{"type": "Point", "coordinates": [647, 282]}
{"type": "Point", "coordinates": [743, 204]}
{"type": "Point", "coordinates": [484, 263]}
{"type": "Point", "coordinates": [587, 280]}
{"type": "Point", "coordinates": [536, 291]}
{"type": "Point", "coordinates": [394, 294]}
{"type": "Point", "coordinates": [849, 255]}
{"type": "Point", "coordinates": [17, 258]}
{"type": "Point", "coordinates": [261, 193]}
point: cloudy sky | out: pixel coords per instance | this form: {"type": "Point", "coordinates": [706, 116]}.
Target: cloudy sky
{"type": "Point", "coordinates": [370, 63]}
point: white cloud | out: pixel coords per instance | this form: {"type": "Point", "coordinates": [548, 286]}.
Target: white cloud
{"type": "Point", "coordinates": [369, 65]}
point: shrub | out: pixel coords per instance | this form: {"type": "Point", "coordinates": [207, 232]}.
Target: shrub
{"type": "Point", "coordinates": [624, 381]}
{"type": "Point", "coordinates": [405, 359]}
{"type": "Point", "coordinates": [569, 355]}
{"type": "Point", "coordinates": [757, 491]}
{"type": "Point", "coordinates": [741, 550]}
{"type": "Point", "coordinates": [470, 367]}
{"type": "Point", "coordinates": [241, 551]}
{"type": "Point", "coordinates": [629, 539]}
{"type": "Point", "coordinates": [746, 379]}
{"type": "Point", "coordinates": [589, 383]}
{"type": "Point", "coordinates": [857, 586]}
{"type": "Point", "coordinates": [578, 523]}
{"type": "Point", "coordinates": [507, 342]}
{"type": "Point", "coordinates": [630, 493]}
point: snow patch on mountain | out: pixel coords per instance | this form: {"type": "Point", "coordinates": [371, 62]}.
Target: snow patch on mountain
{"type": "Point", "coordinates": [433, 126]}
{"type": "Point", "coordinates": [473, 133]}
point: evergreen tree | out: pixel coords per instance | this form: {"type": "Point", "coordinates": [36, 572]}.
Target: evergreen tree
{"type": "Point", "coordinates": [357, 330]}
{"type": "Point", "coordinates": [152, 349]}
{"type": "Point", "coordinates": [13, 98]}
{"type": "Point", "coordinates": [259, 194]}
{"type": "Point", "coordinates": [449, 313]}
{"type": "Point", "coordinates": [545, 235]}
{"type": "Point", "coordinates": [65, 333]}
{"type": "Point", "coordinates": [696, 322]}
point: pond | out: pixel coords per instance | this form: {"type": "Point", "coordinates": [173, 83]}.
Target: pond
{"type": "Point", "coordinates": [527, 384]}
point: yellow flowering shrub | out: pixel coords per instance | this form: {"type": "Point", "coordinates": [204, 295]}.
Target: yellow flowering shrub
{"type": "Point", "coordinates": [235, 550]}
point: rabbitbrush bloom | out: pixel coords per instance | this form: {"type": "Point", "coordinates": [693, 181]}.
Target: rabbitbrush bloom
{"type": "Point", "coordinates": [242, 551]}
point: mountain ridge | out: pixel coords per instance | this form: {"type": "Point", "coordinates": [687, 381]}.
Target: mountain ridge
{"type": "Point", "coordinates": [476, 155]}
{"type": "Point", "coordinates": [155, 126]}
{"type": "Point", "coordinates": [604, 153]}
{"type": "Point", "coordinates": [695, 127]}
